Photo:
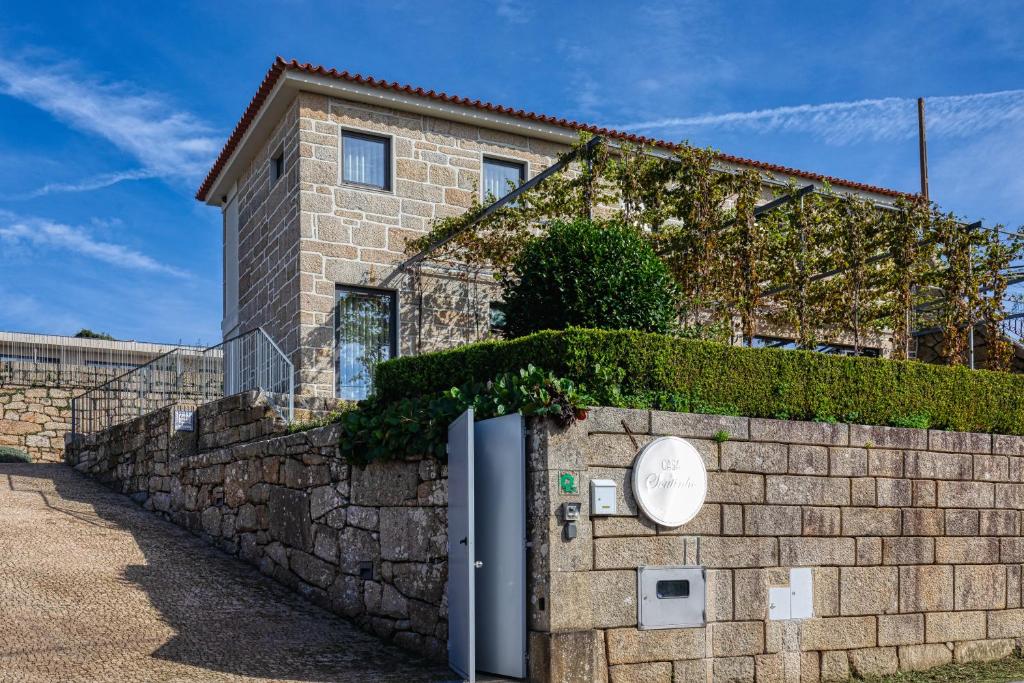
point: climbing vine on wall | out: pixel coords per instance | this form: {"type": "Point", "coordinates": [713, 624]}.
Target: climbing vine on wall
{"type": "Point", "coordinates": [825, 266]}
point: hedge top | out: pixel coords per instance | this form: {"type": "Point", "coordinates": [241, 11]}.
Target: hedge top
{"type": "Point", "coordinates": [636, 369]}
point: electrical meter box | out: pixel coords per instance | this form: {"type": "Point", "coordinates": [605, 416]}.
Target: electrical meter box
{"type": "Point", "coordinates": [670, 597]}
{"type": "Point", "coordinates": [602, 497]}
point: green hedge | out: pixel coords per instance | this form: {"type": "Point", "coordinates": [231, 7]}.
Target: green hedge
{"type": "Point", "coordinates": [652, 370]}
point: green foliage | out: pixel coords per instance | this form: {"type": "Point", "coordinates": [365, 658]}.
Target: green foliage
{"type": "Point", "coordinates": [416, 426]}
{"type": "Point", "coordinates": [825, 266]}
{"type": "Point", "coordinates": [86, 333]}
{"type": "Point", "coordinates": [589, 274]}
{"type": "Point", "coordinates": [663, 372]}
{"type": "Point", "coordinates": [12, 454]}
{"type": "Point", "coordinates": [915, 420]}
{"type": "Point", "coordinates": [721, 436]}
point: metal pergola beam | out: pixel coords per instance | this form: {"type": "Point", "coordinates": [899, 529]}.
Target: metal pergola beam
{"type": "Point", "coordinates": [495, 206]}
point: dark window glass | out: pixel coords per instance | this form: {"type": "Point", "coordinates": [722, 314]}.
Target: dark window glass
{"type": "Point", "coordinates": [277, 167]}
{"type": "Point", "coordinates": [365, 334]}
{"type": "Point", "coordinates": [497, 317]}
{"type": "Point", "coordinates": [680, 588]}
{"type": "Point", "coordinates": [366, 160]}
{"type": "Point", "coordinates": [501, 177]}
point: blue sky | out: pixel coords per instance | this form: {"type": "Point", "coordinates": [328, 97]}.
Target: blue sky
{"type": "Point", "coordinates": [111, 113]}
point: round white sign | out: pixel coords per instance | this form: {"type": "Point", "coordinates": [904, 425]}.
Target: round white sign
{"type": "Point", "coordinates": [669, 481]}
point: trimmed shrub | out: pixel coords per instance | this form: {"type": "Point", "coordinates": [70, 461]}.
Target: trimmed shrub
{"type": "Point", "coordinates": [12, 454]}
{"type": "Point", "coordinates": [589, 274]}
{"type": "Point", "coordinates": [634, 369]}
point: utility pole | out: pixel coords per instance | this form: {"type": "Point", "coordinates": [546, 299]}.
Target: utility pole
{"type": "Point", "coordinates": [922, 147]}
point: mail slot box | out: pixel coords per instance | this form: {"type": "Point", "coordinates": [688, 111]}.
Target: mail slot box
{"type": "Point", "coordinates": [670, 597]}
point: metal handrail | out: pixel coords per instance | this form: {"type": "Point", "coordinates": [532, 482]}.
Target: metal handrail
{"type": "Point", "coordinates": [249, 361]}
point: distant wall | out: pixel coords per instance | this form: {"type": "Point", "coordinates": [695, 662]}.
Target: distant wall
{"type": "Point", "coordinates": [35, 419]}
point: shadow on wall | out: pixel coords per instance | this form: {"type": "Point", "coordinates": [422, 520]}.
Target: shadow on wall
{"type": "Point", "coordinates": [226, 616]}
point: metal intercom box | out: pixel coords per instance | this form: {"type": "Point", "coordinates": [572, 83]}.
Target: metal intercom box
{"type": "Point", "coordinates": [602, 497]}
{"type": "Point", "coordinates": [670, 597]}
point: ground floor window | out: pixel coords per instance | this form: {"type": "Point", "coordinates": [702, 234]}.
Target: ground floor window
{"type": "Point", "coordinates": [835, 349]}
{"type": "Point", "coordinates": [365, 333]}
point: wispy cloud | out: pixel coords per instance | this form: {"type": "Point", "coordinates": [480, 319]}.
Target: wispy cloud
{"type": "Point", "coordinates": [88, 184]}
{"type": "Point", "coordinates": [892, 118]}
{"type": "Point", "coordinates": [165, 141]}
{"type": "Point", "coordinates": [44, 233]}
{"type": "Point", "coordinates": [513, 11]}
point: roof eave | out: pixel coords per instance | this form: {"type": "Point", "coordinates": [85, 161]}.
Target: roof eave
{"type": "Point", "coordinates": [285, 80]}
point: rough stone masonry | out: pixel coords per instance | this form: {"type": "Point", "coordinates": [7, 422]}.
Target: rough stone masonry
{"type": "Point", "coordinates": [913, 538]}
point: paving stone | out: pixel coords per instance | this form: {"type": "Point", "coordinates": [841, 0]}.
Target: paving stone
{"type": "Point", "coordinates": [158, 595]}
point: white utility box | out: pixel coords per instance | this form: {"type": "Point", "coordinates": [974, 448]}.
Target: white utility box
{"type": "Point", "coordinates": [602, 497]}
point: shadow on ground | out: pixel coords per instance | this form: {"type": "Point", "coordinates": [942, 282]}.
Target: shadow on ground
{"type": "Point", "coordinates": [224, 617]}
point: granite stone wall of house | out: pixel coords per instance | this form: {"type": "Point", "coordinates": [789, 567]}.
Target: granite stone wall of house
{"type": "Point", "coordinates": [302, 235]}
{"type": "Point", "coordinates": [913, 538]}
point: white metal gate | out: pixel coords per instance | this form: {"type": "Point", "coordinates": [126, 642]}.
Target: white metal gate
{"type": "Point", "coordinates": [487, 574]}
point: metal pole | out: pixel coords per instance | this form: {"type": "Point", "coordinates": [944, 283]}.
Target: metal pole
{"type": "Point", "coordinates": [922, 148]}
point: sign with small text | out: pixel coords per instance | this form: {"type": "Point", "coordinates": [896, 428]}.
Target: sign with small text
{"type": "Point", "coordinates": [184, 420]}
{"type": "Point", "coordinates": [670, 481]}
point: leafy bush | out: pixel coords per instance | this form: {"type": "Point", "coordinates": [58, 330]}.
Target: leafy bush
{"type": "Point", "coordinates": [376, 429]}
{"type": "Point", "coordinates": [590, 274]}
{"type": "Point", "coordinates": [633, 369]}
{"type": "Point", "coordinates": [12, 454]}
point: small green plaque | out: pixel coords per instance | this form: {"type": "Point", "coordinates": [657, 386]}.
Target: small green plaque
{"type": "Point", "coordinates": [568, 482]}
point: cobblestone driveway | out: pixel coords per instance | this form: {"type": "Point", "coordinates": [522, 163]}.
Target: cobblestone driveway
{"type": "Point", "coordinates": [93, 588]}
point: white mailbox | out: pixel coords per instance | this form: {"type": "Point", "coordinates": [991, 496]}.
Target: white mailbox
{"type": "Point", "coordinates": [602, 497]}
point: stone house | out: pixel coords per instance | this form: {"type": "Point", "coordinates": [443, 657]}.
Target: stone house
{"type": "Point", "coordinates": [329, 174]}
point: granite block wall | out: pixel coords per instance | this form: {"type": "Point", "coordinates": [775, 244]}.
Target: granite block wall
{"type": "Point", "coordinates": [913, 538]}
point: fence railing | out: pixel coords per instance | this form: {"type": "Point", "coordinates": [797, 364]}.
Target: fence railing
{"type": "Point", "coordinates": [190, 376]}
{"type": "Point", "coordinates": [70, 362]}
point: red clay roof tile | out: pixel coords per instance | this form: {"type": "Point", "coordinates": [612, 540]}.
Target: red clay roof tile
{"type": "Point", "coordinates": [281, 65]}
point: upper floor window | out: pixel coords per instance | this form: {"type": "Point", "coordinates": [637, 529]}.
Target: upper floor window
{"type": "Point", "coordinates": [500, 177]}
{"type": "Point", "coordinates": [277, 167]}
{"type": "Point", "coordinates": [366, 160]}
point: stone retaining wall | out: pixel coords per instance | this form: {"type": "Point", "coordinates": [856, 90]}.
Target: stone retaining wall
{"type": "Point", "coordinates": [913, 537]}
{"type": "Point", "coordinates": [35, 419]}
{"type": "Point", "coordinates": [366, 542]}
